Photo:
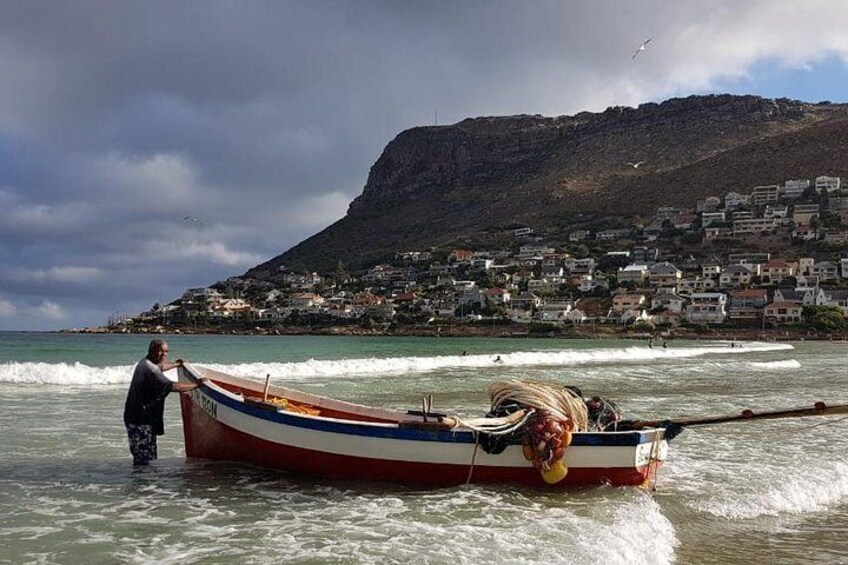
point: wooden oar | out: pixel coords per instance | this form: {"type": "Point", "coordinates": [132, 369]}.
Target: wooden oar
{"type": "Point", "coordinates": [819, 409]}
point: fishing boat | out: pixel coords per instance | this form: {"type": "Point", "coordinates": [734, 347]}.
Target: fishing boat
{"type": "Point", "coordinates": [237, 419]}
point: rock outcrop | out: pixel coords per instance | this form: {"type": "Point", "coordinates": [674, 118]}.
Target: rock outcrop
{"type": "Point", "coordinates": [456, 184]}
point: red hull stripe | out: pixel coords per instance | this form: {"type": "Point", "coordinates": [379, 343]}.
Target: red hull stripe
{"type": "Point", "coordinates": [208, 438]}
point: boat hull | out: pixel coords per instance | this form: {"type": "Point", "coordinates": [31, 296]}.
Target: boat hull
{"type": "Point", "coordinates": [219, 425]}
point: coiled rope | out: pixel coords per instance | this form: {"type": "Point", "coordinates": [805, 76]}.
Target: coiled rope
{"type": "Point", "coordinates": [561, 402]}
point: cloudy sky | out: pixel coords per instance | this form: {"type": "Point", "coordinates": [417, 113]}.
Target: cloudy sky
{"type": "Point", "coordinates": [146, 147]}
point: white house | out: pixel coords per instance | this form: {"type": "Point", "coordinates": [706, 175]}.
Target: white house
{"type": "Point", "coordinates": [669, 301]}
{"type": "Point", "coordinates": [707, 308]}
{"type": "Point", "coordinates": [795, 188]}
{"type": "Point", "coordinates": [635, 273]}
{"type": "Point", "coordinates": [735, 199]}
{"type": "Point", "coordinates": [710, 218]}
{"type": "Point", "coordinates": [828, 184]}
{"type": "Point", "coordinates": [784, 312]}
{"type": "Point", "coordinates": [735, 276]}
{"type": "Point", "coordinates": [498, 295]}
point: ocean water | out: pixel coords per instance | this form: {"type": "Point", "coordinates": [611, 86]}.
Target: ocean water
{"type": "Point", "coordinates": [770, 491]}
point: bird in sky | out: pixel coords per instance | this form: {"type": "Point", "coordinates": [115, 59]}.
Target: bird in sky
{"type": "Point", "coordinates": [636, 165]}
{"type": "Point", "coordinates": [194, 221]}
{"type": "Point", "coordinates": [641, 48]}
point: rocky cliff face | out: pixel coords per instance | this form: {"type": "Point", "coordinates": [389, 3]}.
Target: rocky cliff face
{"type": "Point", "coordinates": [448, 184]}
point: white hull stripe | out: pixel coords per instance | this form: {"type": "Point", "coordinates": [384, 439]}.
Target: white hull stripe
{"type": "Point", "coordinates": [382, 430]}
{"type": "Point", "coordinates": [409, 445]}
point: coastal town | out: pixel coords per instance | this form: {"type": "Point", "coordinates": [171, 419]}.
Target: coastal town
{"type": "Point", "coordinates": [764, 260]}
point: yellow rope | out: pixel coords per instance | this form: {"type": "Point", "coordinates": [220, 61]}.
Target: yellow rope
{"type": "Point", "coordinates": [561, 402]}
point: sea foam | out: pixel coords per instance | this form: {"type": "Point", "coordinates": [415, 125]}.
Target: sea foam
{"type": "Point", "coordinates": [771, 365]}
{"type": "Point", "coordinates": [788, 491]}
{"type": "Point", "coordinates": [84, 375]}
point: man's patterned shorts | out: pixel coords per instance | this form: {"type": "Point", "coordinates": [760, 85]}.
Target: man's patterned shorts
{"type": "Point", "coordinates": [142, 443]}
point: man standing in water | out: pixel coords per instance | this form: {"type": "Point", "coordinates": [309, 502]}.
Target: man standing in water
{"type": "Point", "coordinates": [145, 406]}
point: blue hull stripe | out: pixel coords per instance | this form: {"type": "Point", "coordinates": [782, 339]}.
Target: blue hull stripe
{"type": "Point", "coordinates": [363, 429]}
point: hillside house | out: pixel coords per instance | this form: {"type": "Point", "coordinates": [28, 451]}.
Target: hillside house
{"type": "Point", "coordinates": [825, 271]}
{"type": "Point", "coordinates": [693, 285]}
{"type": "Point", "coordinates": [578, 267]}
{"type": "Point", "coordinates": [526, 301]}
{"type": "Point", "coordinates": [735, 200]}
{"type": "Point", "coordinates": [784, 313]}
{"type": "Point", "coordinates": [837, 299]}
{"type": "Point", "coordinates": [498, 296]}
{"type": "Point", "coordinates": [706, 308]}
{"type": "Point", "coordinates": [710, 218]}
{"type": "Point", "coordinates": [713, 234]}
{"type": "Point", "coordinates": [713, 271]}
{"type": "Point", "coordinates": [664, 275]}
{"type": "Point", "coordinates": [461, 256]}
{"type": "Point", "coordinates": [613, 234]}
{"type": "Point", "coordinates": [835, 237]}
{"type": "Point", "coordinates": [305, 300]}
{"type": "Point", "coordinates": [685, 222]}
{"type": "Point", "coordinates": [755, 226]}
{"type": "Point", "coordinates": [636, 273]}
{"type": "Point", "coordinates": [747, 305]}
{"type": "Point", "coordinates": [803, 214]}
{"type": "Point", "coordinates": [828, 184]}
{"type": "Point", "coordinates": [579, 235]}
{"type": "Point", "coordinates": [588, 283]}
{"type": "Point", "coordinates": [628, 306]}
{"type": "Point", "coordinates": [762, 195]}
{"type": "Point", "coordinates": [776, 271]}
{"type": "Point", "coordinates": [748, 298]}
{"type": "Point", "coordinates": [544, 286]}
{"type": "Point", "coordinates": [735, 276]}
{"type": "Point", "coordinates": [805, 297]}
{"type": "Point", "coordinates": [805, 233]}
{"type": "Point", "coordinates": [231, 308]}
{"type": "Point", "coordinates": [794, 188]}
{"type": "Point", "coordinates": [749, 259]}
{"type": "Point", "coordinates": [667, 301]}
{"type": "Point", "coordinates": [776, 211]}
{"type": "Point", "coordinates": [554, 310]}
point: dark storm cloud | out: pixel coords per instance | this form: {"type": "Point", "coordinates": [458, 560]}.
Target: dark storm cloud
{"type": "Point", "coordinates": [261, 119]}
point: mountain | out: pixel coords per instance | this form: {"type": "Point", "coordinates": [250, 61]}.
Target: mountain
{"type": "Point", "coordinates": [471, 182]}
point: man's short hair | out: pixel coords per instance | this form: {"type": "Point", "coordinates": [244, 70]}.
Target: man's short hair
{"type": "Point", "coordinates": [155, 346]}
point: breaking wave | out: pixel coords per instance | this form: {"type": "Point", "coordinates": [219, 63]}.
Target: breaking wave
{"type": "Point", "coordinates": [787, 492]}
{"type": "Point", "coordinates": [83, 375]}
{"type": "Point", "coordinates": [771, 365]}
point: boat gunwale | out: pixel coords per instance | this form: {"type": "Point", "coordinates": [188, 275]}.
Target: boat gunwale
{"type": "Point", "coordinates": [390, 430]}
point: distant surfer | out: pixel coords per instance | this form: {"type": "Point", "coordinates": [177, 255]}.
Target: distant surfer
{"type": "Point", "coordinates": [145, 405]}
{"type": "Point", "coordinates": [651, 343]}
{"type": "Point", "coordinates": [464, 353]}
{"type": "Point", "coordinates": [665, 344]}
{"type": "Point", "coordinates": [498, 359]}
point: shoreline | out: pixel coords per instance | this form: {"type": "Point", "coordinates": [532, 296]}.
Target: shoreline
{"type": "Point", "coordinates": [517, 331]}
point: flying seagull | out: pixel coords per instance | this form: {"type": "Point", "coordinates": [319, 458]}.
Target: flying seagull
{"type": "Point", "coordinates": [641, 48]}
{"type": "Point", "coordinates": [636, 165]}
{"type": "Point", "coordinates": [193, 220]}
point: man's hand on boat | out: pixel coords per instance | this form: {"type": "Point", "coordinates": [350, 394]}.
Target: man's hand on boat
{"type": "Point", "coordinates": [185, 387]}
